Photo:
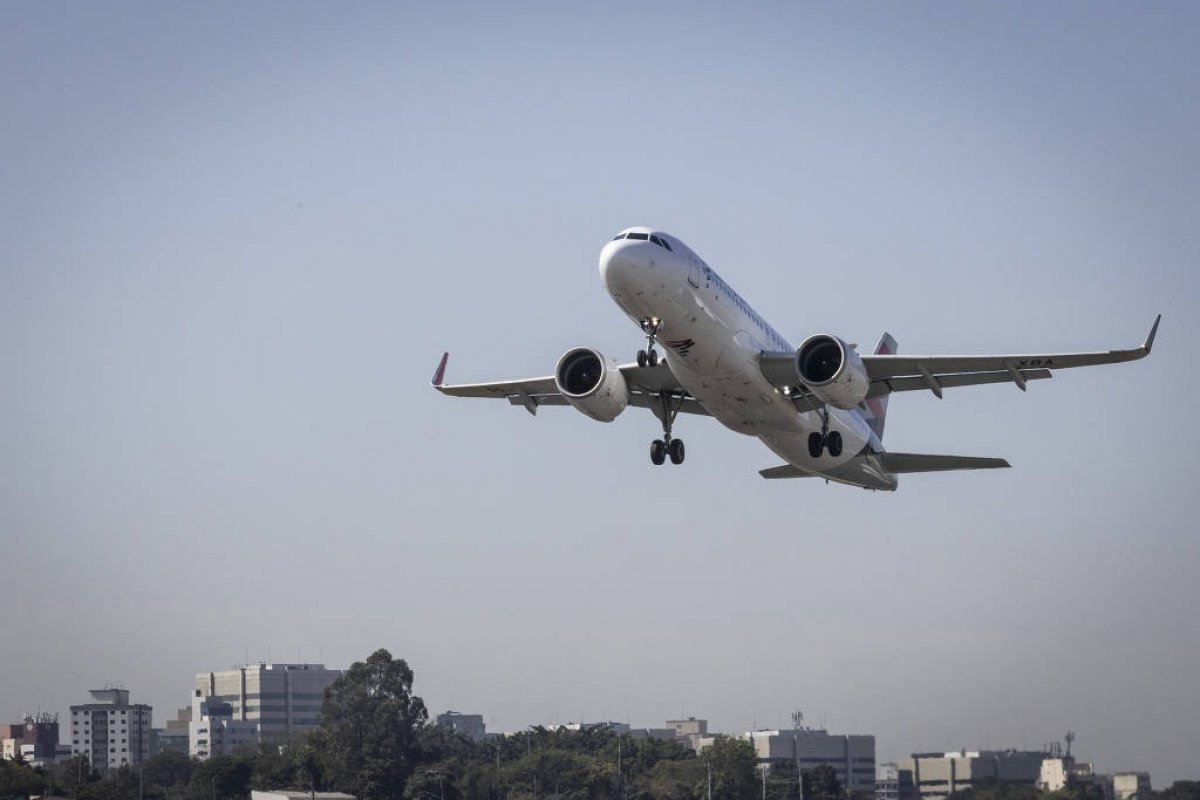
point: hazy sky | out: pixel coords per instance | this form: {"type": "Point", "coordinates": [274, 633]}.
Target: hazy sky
{"type": "Point", "coordinates": [235, 239]}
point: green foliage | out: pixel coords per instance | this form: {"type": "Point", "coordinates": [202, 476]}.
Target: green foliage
{"type": "Point", "coordinates": [997, 790]}
{"type": "Point", "coordinates": [222, 778]}
{"type": "Point", "coordinates": [18, 780]}
{"type": "Point", "coordinates": [734, 768]}
{"type": "Point", "coordinates": [370, 723]}
{"type": "Point", "coordinates": [821, 783]}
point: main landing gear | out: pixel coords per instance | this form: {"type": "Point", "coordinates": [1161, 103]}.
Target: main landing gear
{"type": "Point", "coordinates": [649, 356]}
{"type": "Point", "coordinates": [661, 449]}
{"type": "Point", "coordinates": [818, 442]}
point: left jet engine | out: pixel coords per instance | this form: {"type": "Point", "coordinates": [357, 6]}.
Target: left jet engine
{"type": "Point", "coordinates": [592, 385]}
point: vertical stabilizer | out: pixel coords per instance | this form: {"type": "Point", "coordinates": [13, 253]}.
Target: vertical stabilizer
{"type": "Point", "coordinates": [876, 407]}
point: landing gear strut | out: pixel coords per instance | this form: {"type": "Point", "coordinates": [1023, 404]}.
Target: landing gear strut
{"type": "Point", "coordinates": [661, 449]}
{"type": "Point", "coordinates": [649, 356]}
{"type": "Point", "coordinates": [817, 442]}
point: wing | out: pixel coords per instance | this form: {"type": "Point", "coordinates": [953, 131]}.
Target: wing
{"type": "Point", "coordinates": [645, 385]}
{"type": "Point", "coordinates": [901, 373]}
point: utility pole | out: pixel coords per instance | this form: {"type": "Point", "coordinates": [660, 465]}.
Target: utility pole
{"type": "Point", "coordinates": [797, 723]}
{"type": "Point", "coordinates": [709, 765]}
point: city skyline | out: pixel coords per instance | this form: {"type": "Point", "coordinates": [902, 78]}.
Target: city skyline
{"type": "Point", "coordinates": [235, 241]}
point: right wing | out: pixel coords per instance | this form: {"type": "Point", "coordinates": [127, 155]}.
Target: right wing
{"type": "Point", "coordinates": [897, 373]}
{"type": "Point", "coordinates": [904, 373]}
{"type": "Point", "coordinates": [645, 384]}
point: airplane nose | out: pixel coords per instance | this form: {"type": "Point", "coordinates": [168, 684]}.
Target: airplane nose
{"type": "Point", "coordinates": [616, 264]}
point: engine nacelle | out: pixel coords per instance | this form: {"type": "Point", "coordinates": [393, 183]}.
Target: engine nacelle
{"type": "Point", "coordinates": [592, 385]}
{"type": "Point", "coordinates": [832, 370]}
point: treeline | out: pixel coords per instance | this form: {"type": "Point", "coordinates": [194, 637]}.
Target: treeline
{"type": "Point", "coordinates": [375, 742]}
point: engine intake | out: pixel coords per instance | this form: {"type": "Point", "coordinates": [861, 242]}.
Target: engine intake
{"type": "Point", "coordinates": [833, 370]}
{"type": "Point", "coordinates": [592, 385]}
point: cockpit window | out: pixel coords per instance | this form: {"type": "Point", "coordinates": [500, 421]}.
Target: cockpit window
{"type": "Point", "coordinates": [642, 236]}
{"type": "Point", "coordinates": [618, 236]}
{"type": "Point", "coordinates": [660, 242]}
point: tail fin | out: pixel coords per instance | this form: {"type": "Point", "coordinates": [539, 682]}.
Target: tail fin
{"type": "Point", "coordinates": [877, 406]}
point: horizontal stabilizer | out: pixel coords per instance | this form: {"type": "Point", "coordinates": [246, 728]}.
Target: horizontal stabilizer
{"type": "Point", "coordinates": [919, 462]}
{"type": "Point", "coordinates": [785, 471]}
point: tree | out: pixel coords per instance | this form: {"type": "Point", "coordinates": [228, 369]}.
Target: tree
{"type": "Point", "coordinates": [221, 778]}
{"type": "Point", "coordinates": [369, 728]}
{"type": "Point", "coordinates": [166, 773]}
{"type": "Point", "coordinates": [734, 768]}
{"type": "Point", "coordinates": [821, 783]}
{"type": "Point", "coordinates": [18, 780]}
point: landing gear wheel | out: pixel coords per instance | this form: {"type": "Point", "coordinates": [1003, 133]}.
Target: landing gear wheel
{"type": "Point", "coordinates": [658, 452]}
{"type": "Point", "coordinates": [675, 448]}
{"type": "Point", "coordinates": [834, 443]}
{"type": "Point", "coordinates": [652, 357]}
{"type": "Point", "coordinates": [815, 445]}
{"type": "Point", "coordinates": [642, 358]}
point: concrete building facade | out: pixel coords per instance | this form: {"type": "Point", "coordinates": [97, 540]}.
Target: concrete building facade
{"type": "Point", "coordinates": [934, 776]}
{"type": "Point", "coordinates": [111, 731]}
{"type": "Point", "coordinates": [1130, 785]}
{"type": "Point", "coordinates": [281, 700]}
{"type": "Point", "coordinates": [851, 757]}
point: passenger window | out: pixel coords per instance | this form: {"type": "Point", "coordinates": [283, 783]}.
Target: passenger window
{"type": "Point", "coordinates": [642, 236]}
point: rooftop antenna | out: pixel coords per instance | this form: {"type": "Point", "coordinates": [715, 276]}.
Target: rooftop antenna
{"type": "Point", "coordinates": [1070, 737]}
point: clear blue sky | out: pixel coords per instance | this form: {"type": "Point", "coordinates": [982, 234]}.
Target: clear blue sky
{"type": "Point", "coordinates": [235, 238]}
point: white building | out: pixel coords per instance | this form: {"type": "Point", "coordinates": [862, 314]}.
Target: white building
{"type": "Point", "coordinates": [934, 776]}
{"type": "Point", "coordinates": [1128, 785]}
{"type": "Point", "coordinates": [111, 731]}
{"type": "Point", "coordinates": [275, 701]}
{"type": "Point", "coordinates": [851, 757]}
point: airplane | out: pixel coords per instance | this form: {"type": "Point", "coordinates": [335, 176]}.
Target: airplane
{"type": "Point", "coordinates": [820, 406]}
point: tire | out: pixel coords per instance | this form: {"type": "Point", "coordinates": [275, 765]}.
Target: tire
{"type": "Point", "coordinates": [652, 358]}
{"type": "Point", "coordinates": [835, 444]}
{"type": "Point", "coordinates": [676, 451]}
{"type": "Point", "coordinates": [658, 452]}
{"type": "Point", "coordinates": [641, 358]}
{"type": "Point", "coordinates": [815, 445]}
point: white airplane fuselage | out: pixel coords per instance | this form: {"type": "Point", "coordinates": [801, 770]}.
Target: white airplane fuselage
{"type": "Point", "coordinates": [714, 339]}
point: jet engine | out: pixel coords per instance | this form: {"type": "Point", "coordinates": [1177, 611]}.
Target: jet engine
{"type": "Point", "coordinates": [833, 370]}
{"type": "Point", "coordinates": [592, 385]}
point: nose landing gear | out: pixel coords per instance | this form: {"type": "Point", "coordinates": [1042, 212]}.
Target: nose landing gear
{"type": "Point", "coordinates": [661, 449]}
{"type": "Point", "coordinates": [649, 356]}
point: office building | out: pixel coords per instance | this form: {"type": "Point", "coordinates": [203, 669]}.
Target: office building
{"type": "Point", "coordinates": [934, 776]}
{"type": "Point", "coordinates": [1130, 785]}
{"type": "Point", "coordinates": [887, 782]}
{"type": "Point", "coordinates": [35, 739]}
{"type": "Point", "coordinates": [278, 701]}
{"type": "Point", "coordinates": [111, 731]}
{"type": "Point", "coordinates": [851, 757]}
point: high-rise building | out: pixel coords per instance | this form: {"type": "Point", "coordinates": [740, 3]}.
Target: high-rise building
{"type": "Point", "coordinates": [111, 731]}
{"type": "Point", "coordinates": [278, 700]}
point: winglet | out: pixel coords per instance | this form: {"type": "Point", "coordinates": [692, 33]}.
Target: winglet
{"type": "Point", "coordinates": [440, 373]}
{"type": "Point", "coordinates": [1153, 332]}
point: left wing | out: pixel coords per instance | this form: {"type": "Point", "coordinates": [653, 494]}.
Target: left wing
{"type": "Point", "coordinates": [900, 373]}
{"type": "Point", "coordinates": [645, 385]}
